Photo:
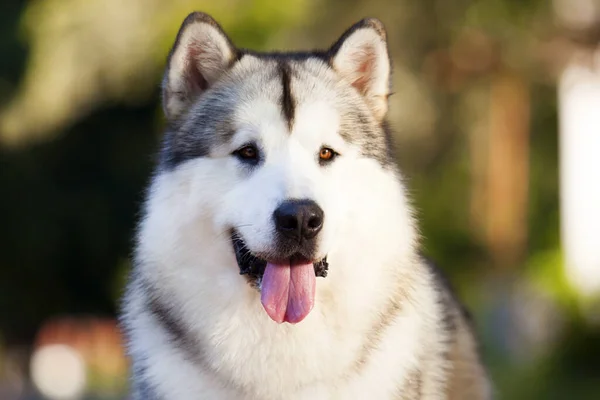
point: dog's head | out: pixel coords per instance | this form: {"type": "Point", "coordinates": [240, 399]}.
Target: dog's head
{"type": "Point", "coordinates": [275, 151]}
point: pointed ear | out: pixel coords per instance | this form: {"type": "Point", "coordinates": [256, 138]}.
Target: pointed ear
{"type": "Point", "coordinates": [361, 58]}
{"type": "Point", "coordinates": [201, 54]}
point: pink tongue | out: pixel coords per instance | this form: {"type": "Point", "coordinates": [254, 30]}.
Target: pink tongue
{"type": "Point", "coordinates": [288, 291]}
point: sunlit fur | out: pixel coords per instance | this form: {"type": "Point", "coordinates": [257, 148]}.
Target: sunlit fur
{"type": "Point", "coordinates": [383, 325]}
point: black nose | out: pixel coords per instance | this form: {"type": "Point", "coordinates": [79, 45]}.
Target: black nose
{"type": "Point", "coordinates": [299, 219]}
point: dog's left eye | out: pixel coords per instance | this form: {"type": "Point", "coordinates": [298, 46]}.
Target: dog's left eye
{"type": "Point", "coordinates": [326, 155]}
{"type": "Point", "coordinates": [248, 153]}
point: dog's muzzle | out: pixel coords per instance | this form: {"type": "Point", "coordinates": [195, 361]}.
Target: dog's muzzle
{"type": "Point", "coordinates": [254, 267]}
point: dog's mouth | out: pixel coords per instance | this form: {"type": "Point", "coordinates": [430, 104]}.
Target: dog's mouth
{"type": "Point", "coordinates": [287, 286]}
{"type": "Point", "coordinates": [254, 267]}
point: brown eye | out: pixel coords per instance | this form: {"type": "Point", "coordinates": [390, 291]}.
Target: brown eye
{"type": "Point", "coordinates": [247, 154]}
{"type": "Point", "coordinates": [326, 155]}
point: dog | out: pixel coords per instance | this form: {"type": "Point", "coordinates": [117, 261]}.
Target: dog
{"type": "Point", "coordinates": [277, 255]}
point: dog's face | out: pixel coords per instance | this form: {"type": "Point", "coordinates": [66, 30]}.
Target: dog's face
{"type": "Point", "coordinates": [276, 147]}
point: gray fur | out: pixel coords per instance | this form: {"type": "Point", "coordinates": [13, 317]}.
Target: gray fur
{"type": "Point", "coordinates": [208, 123]}
{"type": "Point", "coordinates": [168, 318]}
{"type": "Point", "coordinates": [171, 312]}
{"type": "Point", "coordinates": [141, 388]}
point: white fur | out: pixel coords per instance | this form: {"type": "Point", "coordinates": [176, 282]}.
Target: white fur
{"type": "Point", "coordinates": [184, 250]}
{"type": "Point", "coordinates": [363, 62]}
{"type": "Point", "coordinates": [202, 48]}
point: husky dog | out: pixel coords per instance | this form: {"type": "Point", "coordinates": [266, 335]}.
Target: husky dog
{"type": "Point", "coordinates": [277, 257]}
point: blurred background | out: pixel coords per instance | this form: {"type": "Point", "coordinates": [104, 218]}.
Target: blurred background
{"type": "Point", "coordinates": [497, 114]}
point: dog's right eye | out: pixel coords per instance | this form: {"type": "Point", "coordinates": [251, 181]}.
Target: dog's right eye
{"type": "Point", "coordinates": [247, 154]}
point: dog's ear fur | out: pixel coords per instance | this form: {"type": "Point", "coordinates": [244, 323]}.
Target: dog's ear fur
{"type": "Point", "coordinates": [361, 58]}
{"type": "Point", "coordinates": [201, 54]}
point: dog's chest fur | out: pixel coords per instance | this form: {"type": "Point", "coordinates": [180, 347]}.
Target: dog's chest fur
{"type": "Point", "coordinates": [350, 354]}
{"type": "Point", "coordinates": [283, 160]}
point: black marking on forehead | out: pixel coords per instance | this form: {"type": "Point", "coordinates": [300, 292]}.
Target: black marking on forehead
{"type": "Point", "coordinates": [209, 124]}
{"type": "Point", "coordinates": [359, 128]}
{"type": "Point", "coordinates": [288, 104]}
